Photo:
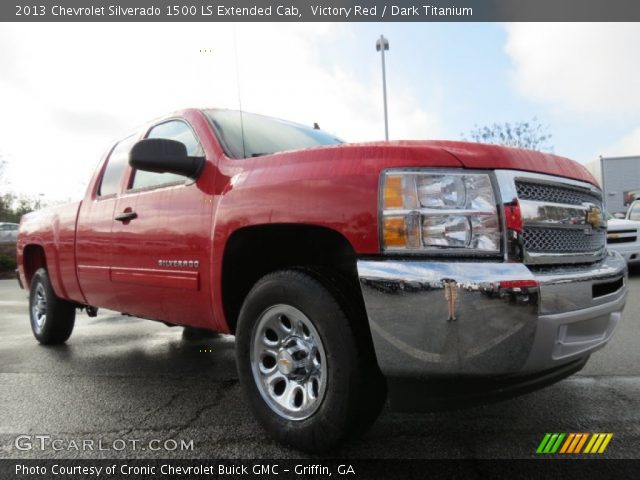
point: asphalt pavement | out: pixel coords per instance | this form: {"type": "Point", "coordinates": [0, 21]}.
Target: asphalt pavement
{"type": "Point", "coordinates": [123, 387]}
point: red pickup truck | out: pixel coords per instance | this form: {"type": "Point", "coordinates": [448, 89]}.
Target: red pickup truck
{"type": "Point", "coordinates": [345, 271]}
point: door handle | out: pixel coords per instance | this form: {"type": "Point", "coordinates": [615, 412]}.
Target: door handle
{"type": "Point", "coordinates": [126, 216]}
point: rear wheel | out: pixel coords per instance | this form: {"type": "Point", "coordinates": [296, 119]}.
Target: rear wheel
{"type": "Point", "coordinates": [307, 375]}
{"type": "Point", "coordinates": [52, 318]}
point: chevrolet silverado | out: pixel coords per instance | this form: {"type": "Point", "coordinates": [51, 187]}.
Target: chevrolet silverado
{"type": "Point", "coordinates": [343, 270]}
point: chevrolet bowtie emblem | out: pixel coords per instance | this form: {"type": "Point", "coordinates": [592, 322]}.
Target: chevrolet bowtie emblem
{"type": "Point", "coordinates": [594, 217]}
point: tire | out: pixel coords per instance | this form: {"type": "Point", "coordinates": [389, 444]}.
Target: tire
{"type": "Point", "coordinates": [52, 319]}
{"type": "Point", "coordinates": [309, 377]}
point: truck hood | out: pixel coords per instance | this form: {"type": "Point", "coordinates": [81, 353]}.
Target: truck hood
{"type": "Point", "coordinates": [476, 155]}
{"type": "Point", "coordinates": [470, 155]}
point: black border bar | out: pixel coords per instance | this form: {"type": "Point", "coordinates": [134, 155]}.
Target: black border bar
{"type": "Point", "coordinates": [316, 468]}
{"type": "Point", "coordinates": [320, 11]}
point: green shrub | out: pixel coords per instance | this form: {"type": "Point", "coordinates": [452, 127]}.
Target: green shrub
{"type": "Point", "coordinates": [7, 258]}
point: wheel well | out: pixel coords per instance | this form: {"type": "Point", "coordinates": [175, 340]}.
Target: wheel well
{"type": "Point", "coordinates": [33, 258]}
{"type": "Point", "coordinates": [252, 252]}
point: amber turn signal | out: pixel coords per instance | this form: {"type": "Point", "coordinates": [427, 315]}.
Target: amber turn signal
{"type": "Point", "coordinates": [393, 192]}
{"type": "Point", "coordinates": [394, 231]}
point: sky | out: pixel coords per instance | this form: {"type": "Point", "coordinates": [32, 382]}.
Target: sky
{"type": "Point", "coordinates": [68, 91]}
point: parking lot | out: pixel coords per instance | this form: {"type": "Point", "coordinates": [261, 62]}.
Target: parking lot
{"type": "Point", "coordinates": [137, 384]}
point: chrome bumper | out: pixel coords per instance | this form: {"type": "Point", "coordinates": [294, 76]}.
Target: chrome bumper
{"type": "Point", "coordinates": [509, 319]}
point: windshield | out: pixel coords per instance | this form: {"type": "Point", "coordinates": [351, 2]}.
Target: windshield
{"type": "Point", "coordinates": [263, 135]}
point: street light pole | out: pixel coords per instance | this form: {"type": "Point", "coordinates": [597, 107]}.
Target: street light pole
{"type": "Point", "coordinates": [382, 44]}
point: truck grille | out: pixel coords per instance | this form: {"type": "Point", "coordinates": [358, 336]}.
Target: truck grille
{"type": "Point", "coordinates": [562, 240]}
{"type": "Point", "coordinates": [556, 229]}
{"type": "Point", "coordinates": [542, 192]}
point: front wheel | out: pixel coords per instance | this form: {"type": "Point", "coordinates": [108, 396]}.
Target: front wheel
{"type": "Point", "coordinates": [52, 318]}
{"type": "Point", "coordinates": [307, 376]}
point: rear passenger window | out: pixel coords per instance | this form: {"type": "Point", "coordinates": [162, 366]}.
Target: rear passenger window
{"type": "Point", "coordinates": [172, 130]}
{"type": "Point", "coordinates": [116, 165]}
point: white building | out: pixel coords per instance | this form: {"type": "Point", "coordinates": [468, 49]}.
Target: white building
{"type": "Point", "coordinates": [619, 178]}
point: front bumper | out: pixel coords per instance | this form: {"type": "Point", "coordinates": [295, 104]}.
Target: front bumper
{"type": "Point", "coordinates": [510, 319]}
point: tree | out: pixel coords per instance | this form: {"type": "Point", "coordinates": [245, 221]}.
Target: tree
{"type": "Point", "coordinates": [13, 207]}
{"type": "Point", "coordinates": [529, 134]}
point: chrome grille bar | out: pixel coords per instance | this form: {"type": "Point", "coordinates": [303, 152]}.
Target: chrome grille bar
{"type": "Point", "coordinates": [545, 192]}
{"type": "Point", "coordinates": [562, 219]}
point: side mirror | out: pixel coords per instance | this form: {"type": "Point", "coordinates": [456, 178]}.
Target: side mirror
{"type": "Point", "coordinates": [619, 215]}
{"type": "Point", "coordinates": [161, 155]}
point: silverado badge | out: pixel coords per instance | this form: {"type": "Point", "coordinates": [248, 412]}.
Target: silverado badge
{"type": "Point", "coordinates": [179, 263]}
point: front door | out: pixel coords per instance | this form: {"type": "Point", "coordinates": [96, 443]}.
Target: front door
{"type": "Point", "coordinates": [161, 246]}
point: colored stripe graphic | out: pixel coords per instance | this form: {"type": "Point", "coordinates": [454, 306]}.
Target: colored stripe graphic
{"type": "Point", "coordinates": [598, 443]}
{"type": "Point", "coordinates": [581, 443]}
{"type": "Point", "coordinates": [555, 447]}
{"type": "Point", "coordinates": [576, 439]}
{"type": "Point", "coordinates": [543, 442]}
{"type": "Point", "coordinates": [550, 443]}
{"type": "Point", "coordinates": [574, 443]}
{"type": "Point", "coordinates": [604, 445]}
{"type": "Point", "coordinates": [591, 442]}
{"type": "Point", "coordinates": [567, 443]}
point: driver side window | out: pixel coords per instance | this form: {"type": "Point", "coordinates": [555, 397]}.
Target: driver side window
{"type": "Point", "coordinates": [635, 211]}
{"type": "Point", "coordinates": [116, 165]}
{"type": "Point", "coordinates": [172, 130]}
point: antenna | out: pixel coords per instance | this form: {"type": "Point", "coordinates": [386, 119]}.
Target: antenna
{"type": "Point", "coordinates": [235, 44]}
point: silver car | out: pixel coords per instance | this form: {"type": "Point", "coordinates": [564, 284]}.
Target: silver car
{"type": "Point", "coordinates": [8, 232]}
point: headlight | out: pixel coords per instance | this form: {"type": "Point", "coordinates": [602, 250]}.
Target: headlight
{"type": "Point", "coordinates": [440, 210]}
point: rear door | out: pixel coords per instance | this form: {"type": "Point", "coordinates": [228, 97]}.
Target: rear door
{"type": "Point", "coordinates": [161, 240]}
